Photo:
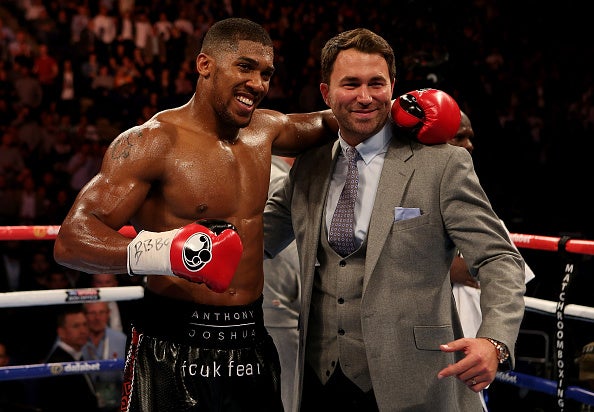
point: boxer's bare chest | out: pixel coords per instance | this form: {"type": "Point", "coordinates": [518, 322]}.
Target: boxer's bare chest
{"type": "Point", "coordinates": [219, 181]}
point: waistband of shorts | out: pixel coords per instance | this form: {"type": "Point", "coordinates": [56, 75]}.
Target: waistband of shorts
{"type": "Point", "coordinates": [200, 325]}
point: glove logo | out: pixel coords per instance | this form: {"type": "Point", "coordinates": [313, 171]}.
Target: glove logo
{"type": "Point", "coordinates": [197, 251]}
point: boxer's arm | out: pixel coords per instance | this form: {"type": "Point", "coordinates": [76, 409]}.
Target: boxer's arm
{"type": "Point", "coordinates": [88, 239]}
{"type": "Point", "coordinates": [297, 132]}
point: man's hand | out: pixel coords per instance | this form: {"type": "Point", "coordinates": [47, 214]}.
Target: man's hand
{"type": "Point", "coordinates": [459, 273]}
{"type": "Point", "coordinates": [479, 366]}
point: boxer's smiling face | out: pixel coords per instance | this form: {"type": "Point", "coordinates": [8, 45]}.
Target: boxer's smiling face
{"type": "Point", "coordinates": [359, 93]}
{"type": "Point", "coordinates": [240, 79]}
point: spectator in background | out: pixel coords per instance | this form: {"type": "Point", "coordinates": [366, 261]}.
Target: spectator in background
{"type": "Point", "coordinates": [106, 31]}
{"type": "Point", "coordinates": [102, 85]}
{"type": "Point", "coordinates": [163, 27]}
{"type": "Point", "coordinates": [39, 264]}
{"type": "Point", "coordinates": [104, 343]}
{"type": "Point", "coordinates": [21, 47]}
{"type": "Point", "coordinates": [8, 202]}
{"type": "Point", "coordinates": [79, 23]}
{"type": "Point", "coordinates": [12, 266]}
{"type": "Point", "coordinates": [31, 202]}
{"type": "Point", "coordinates": [46, 68]}
{"type": "Point", "coordinates": [183, 23]}
{"type": "Point", "coordinates": [68, 88]}
{"type": "Point", "coordinates": [282, 297]}
{"type": "Point", "coordinates": [83, 165]}
{"type": "Point", "coordinates": [143, 30]}
{"type": "Point", "coordinates": [125, 30]}
{"type": "Point", "coordinates": [29, 92]}
{"type": "Point", "coordinates": [7, 97]}
{"type": "Point", "coordinates": [89, 70]}
{"type": "Point", "coordinates": [31, 134]}
{"type": "Point", "coordinates": [71, 392]}
{"type": "Point", "coordinates": [116, 320]}
{"type": "Point", "coordinates": [6, 37]}
{"type": "Point", "coordinates": [12, 162]}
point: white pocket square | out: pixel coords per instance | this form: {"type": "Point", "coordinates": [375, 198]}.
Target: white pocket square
{"type": "Point", "coordinates": [403, 213]}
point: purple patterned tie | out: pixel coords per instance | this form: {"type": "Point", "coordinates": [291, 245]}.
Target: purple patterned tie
{"type": "Point", "coordinates": [342, 233]}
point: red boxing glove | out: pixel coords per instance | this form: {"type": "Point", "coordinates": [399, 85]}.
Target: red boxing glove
{"type": "Point", "coordinates": [432, 115]}
{"type": "Point", "coordinates": [207, 251]}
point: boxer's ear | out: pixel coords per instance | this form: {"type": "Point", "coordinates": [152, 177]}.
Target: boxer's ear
{"type": "Point", "coordinates": [204, 64]}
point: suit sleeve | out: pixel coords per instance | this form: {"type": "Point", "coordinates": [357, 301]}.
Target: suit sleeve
{"type": "Point", "coordinates": [487, 248]}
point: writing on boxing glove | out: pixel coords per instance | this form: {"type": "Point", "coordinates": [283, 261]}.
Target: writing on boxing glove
{"type": "Point", "coordinates": [207, 251]}
{"type": "Point", "coordinates": [431, 115]}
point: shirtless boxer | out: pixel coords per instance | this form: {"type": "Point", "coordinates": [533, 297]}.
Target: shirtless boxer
{"type": "Point", "coordinates": [196, 173]}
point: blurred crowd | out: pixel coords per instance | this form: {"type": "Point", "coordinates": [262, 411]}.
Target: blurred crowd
{"type": "Point", "coordinates": [75, 74]}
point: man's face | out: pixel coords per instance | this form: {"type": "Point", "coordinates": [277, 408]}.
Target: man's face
{"type": "Point", "coordinates": [359, 94]}
{"type": "Point", "coordinates": [240, 80]}
{"type": "Point", "coordinates": [463, 137]}
{"type": "Point", "coordinates": [97, 316]}
{"type": "Point", "coordinates": [75, 331]}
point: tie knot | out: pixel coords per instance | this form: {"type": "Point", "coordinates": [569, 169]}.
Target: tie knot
{"type": "Point", "coordinates": [352, 154]}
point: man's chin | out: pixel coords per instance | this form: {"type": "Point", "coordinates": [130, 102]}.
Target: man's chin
{"type": "Point", "coordinates": [244, 123]}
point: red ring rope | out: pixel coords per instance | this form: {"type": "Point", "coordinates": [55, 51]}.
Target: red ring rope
{"type": "Point", "coordinates": [548, 243]}
{"type": "Point", "coordinates": [44, 232]}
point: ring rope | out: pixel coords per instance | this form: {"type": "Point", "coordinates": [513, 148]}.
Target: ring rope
{"type": "Point", "coordinates": [545, 386]}
{"type": "Point", "coordinates": [551, 243]}
{"type": "Point", "coordinates": [44, 370]}
{"type": "Point", "coordinates": [546, 306]}
{"type": "Point", "coordinates": [547, 243]}
{"type": "Point", "coordinates": [61, 296]}
{"type": "Point", "coordinates": [44, 232]}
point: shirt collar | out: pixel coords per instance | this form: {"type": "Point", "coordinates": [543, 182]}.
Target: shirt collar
{"type": "Point", "coordinates": [372, 146]}
{"type": "Point", "coordinates": [73, 352]}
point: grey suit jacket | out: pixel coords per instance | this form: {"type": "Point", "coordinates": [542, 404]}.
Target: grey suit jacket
{"type": "Point", "coordinates": [407, 308]}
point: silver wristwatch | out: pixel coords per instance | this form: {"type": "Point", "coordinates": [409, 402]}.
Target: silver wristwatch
{"type": "Point", "coordinates": [502, 351]}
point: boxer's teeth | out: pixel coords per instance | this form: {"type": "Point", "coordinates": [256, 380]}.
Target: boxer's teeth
{"type": "Point", "coordinates": [245, 100]}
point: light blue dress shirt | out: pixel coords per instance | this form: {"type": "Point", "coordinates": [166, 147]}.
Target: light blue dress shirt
{"type": "Point", "coordinates": [372, 151]}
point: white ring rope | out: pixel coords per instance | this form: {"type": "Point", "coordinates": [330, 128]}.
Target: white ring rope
{"type": "Point", "coordinates": [62, 296]}
{"type": "Point", "coordinates": [546, 306]}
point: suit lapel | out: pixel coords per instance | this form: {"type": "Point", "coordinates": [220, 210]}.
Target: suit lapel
{"type": "Point", "coordinates": [395, 174]}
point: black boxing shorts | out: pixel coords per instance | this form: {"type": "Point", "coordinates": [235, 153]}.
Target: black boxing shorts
{"type": "Point", "coordinates": [189, 357]}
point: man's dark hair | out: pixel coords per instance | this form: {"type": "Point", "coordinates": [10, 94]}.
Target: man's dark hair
{"type": "Point", "coordinates": [68, 309]}
{"type": "Point", "coordinates": [362, 40]}
{"type": "Point", "coordinates": [226, 34]}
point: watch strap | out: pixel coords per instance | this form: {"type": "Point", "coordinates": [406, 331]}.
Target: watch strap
{"type": "Point", "coordinates": [502, 351]}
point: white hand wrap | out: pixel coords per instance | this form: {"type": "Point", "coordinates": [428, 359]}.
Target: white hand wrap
{"type": "Point", "coordinates": [149, 253]}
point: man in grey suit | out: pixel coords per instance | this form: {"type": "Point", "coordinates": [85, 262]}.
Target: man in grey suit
{"type": "Point", "coordinates": [379, 328]}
